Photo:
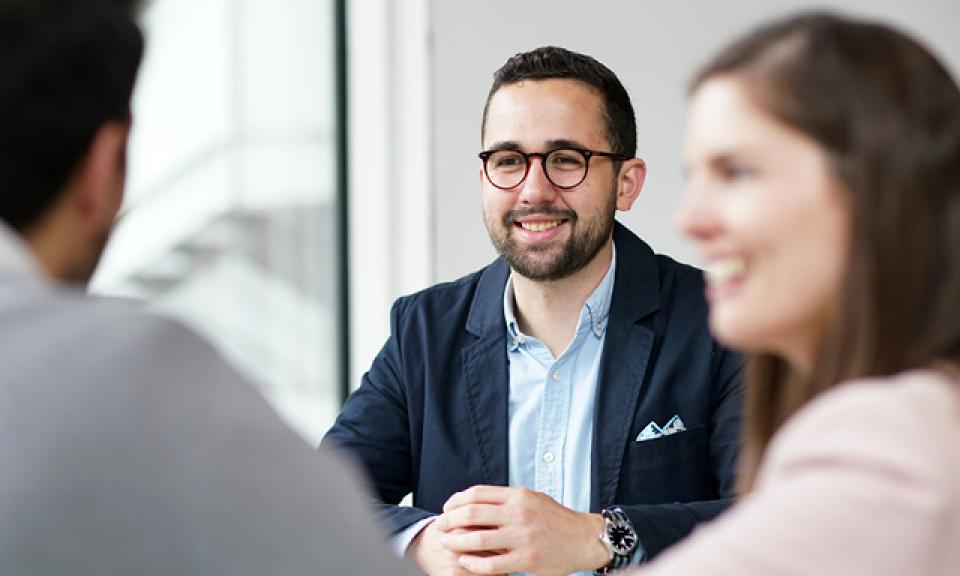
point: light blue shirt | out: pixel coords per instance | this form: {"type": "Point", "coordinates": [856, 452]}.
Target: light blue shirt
{"type": "Point", "coordinates": [551, 406]}
{"type": "Point", "coordinates": [552, 399]}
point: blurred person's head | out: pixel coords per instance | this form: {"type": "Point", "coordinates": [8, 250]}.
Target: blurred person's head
{"type": "Point", "coordinates": [68, 68]}
{"type": "Point", "coordinates": [551, 214]}
{"type": "Point", "coordinates": [823, 157]}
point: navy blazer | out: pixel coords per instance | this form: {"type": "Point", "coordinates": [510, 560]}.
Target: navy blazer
{"type": "Point", "coordinates": [431, 416]}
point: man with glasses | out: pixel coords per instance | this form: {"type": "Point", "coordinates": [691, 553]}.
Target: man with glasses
{"type": "Point", "coordinates": [565, 409]}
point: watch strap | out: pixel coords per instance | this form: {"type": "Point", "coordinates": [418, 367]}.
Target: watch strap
{"type": "Point", "coordinates": [614, 515]}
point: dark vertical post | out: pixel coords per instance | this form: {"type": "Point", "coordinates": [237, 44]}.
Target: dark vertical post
{"type": "Point", "coordinates": [343, 200]}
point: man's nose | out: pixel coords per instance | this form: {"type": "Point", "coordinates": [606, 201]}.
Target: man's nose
{"type": "Point", "coordinates": [536, 188]}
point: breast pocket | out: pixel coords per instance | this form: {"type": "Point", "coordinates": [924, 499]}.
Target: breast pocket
{"type": "Point", "coordinates": [674, 468]}
{"type": "Point", "coordinates": [667, 450]}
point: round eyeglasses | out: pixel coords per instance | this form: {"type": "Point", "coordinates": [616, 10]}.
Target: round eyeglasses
{"type": "Point", "coordinates": [564, 167]}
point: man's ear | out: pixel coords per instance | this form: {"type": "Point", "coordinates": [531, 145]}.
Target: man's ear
{"type": "Point", "coordinates": [97, 182]}
{"type": "Point", "coordinates": [630, 181]}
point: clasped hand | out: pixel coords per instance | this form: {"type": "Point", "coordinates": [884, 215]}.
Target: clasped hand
{"type": "Point", "coordinates": [499, 530]}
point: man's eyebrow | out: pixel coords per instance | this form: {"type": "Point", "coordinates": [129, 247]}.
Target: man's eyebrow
{"type": "Point", "coordinates": [564, 143]}
{"type": "Point", "coordinates": [506, 145]}
{"type": "Point", "coordinates": [550, 145]}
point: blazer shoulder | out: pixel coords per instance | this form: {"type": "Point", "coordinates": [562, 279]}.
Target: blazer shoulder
{"type": "Point", "coordinates": [120, 325]}
{"type": "Point", "coordinates": [444, 291]}
{"type": "Point", "coordinates": [131, 344]}
{"type": "Point", "coordinates": [445, 297]}
{"type": "Point", "coordinates": [682, 291]}
{"type": "Point", "coordinates": [633, 249]}
{"type": "Point", "coordinates": [683, 276]}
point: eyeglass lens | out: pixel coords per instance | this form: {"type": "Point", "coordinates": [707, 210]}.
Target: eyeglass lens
{"type": "Point", "coordinates": [564, 168]}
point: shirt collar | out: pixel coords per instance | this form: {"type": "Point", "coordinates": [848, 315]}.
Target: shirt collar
{"type": "Point", "coordinates": [513, 328]}
{"type": "Point", "coordinates": [597, 308]}
{"type": "Point", "coordinates": [593, 316]}
{"type": "Point", "coordinates": [16, 259]}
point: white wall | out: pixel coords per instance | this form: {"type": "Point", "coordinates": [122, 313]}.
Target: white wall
{"type": "Point", "coordinates": [654, 47]}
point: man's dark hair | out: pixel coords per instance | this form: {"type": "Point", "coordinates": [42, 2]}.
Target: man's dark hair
{"type": "Point", "coordinates": [553, 63]}
{"type": "Point", "coordinates": [66, 68]}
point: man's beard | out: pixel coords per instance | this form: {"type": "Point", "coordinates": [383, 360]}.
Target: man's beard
{"type": "Point", "coordinates": [578, 251]}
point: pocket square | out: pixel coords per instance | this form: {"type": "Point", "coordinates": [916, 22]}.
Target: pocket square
{"type": "Point", "coordinates": [652, 431]}
{"type": "Point", "coordinates": [673, 426]}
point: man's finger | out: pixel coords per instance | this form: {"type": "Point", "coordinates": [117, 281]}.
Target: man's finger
{"type": "Point", "coordinates": [472, 516]}
{"type": "Point", "coordinates": [499, 564]}
{"type": "Point", "coordinates": [476, 541]}
{"type": "Point", "coordinates": [479, 494]}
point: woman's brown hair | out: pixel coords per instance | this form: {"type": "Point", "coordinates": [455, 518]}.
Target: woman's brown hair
{"type": "Point", "coordinates": [887, 114]}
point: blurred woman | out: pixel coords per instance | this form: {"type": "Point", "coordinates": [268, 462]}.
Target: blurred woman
{"type": "Point", "coordinates": [823, 159]}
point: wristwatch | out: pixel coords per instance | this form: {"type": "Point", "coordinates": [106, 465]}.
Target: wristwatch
{"type": "Point", "coordinates": [619, 537]}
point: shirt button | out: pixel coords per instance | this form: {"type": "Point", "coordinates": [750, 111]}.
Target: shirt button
{"type": "Point", "coordinates": [548, 457]}
{"type": "Point", "coordinates": [597, 327]}
{"type": "Point", "coordinates": [555, 376]}
{"type": "Point", "coordinates": [521, 339]}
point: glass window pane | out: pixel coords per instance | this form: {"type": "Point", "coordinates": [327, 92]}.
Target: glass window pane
{"type": "Point", "coordinates": [230, 220]}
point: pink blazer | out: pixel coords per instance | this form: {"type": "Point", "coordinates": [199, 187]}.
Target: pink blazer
{"type": "Point", "coordinates": [865, 480]}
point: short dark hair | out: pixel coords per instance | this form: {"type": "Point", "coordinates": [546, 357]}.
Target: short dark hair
{"type": "Point", "coordinates": [886, 113]}
{"type": "Point", "coordinates": [552, 62]}
{"type": "Point", "coordinates": [66, 68]}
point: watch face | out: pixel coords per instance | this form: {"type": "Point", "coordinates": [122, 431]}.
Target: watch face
{"type": "Point", "coordinates": [622, 539]}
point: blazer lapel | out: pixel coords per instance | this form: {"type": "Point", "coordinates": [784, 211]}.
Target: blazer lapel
{"type": "Point", "coordinates": [626, 355]}
{"type": "Point", "coordinates": [486, 374]}
{"type": "Point", "coordinates": [624, 366]}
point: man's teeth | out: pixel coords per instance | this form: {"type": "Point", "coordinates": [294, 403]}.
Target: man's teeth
{"type": "Point", "coordinates": [540, 226]}
{"type": "Point", "coordinates": [726, 269]}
